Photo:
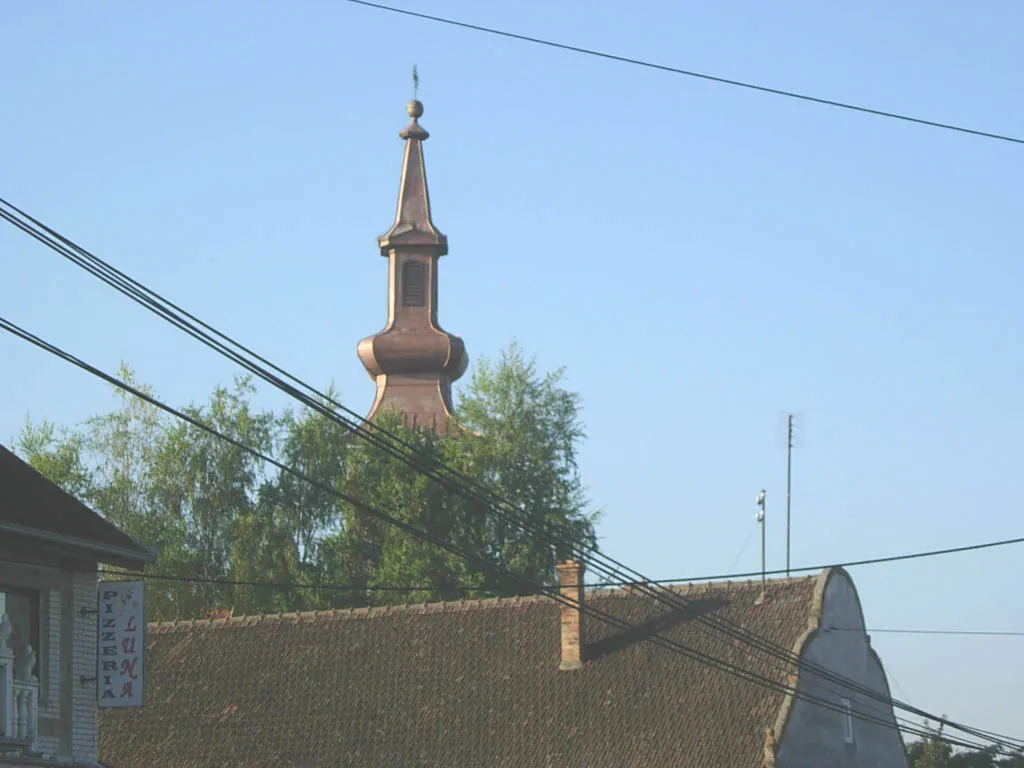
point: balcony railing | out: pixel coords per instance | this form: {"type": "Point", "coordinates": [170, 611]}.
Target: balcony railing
{"type": "Point", "coordinates": [24, 711]}
{"type": "Point", "coordinates": [19, 692]}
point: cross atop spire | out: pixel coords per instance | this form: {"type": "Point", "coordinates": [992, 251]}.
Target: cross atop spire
{"type": "Point", "coordinates": [415, 84]}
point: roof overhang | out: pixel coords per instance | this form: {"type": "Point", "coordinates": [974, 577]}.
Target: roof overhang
{"type": "Point", "coordinates": [123, 556]}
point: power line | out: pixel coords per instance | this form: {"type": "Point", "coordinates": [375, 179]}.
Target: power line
{"type": "Point", "coordinates": [329, 586]}
{"type": "Point", "coordinates": [889, 674]}
{"type": "Point", "coordinates": [690, 73]}
{"type": "Point", "coordinates": [123, 574]}
{"type": "Point", "coordinates": [752, 640]}
{"type": "Point", "coordinates": [160, 306]}
{"type": "Point", "coordinates": [281, 585]}
{"type": "Point", "coordinates": [743, 549]}
{"type": "Point", "coordinates": [595, 585]}
{"type": "Point", "coordinates": [702, 658]}
{"type": "Point", "coordinates": [423, 588]}
{"type": "Point", "coordinates": [234, 351]}
{"type": "Point", "coordinates": [587, 554]}
{"type": "Point", "coordinates": [699, 656]}
{"type": "Point", "coordinates": [808, 568]}
{"type": "Point", "coordinates": [687, 580]}
{"type": "Point", "coordinates": [966, 632]}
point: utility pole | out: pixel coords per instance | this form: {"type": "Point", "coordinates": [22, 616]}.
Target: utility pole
{"type": "Point", "coordinates": [789, 457]}
{"type": "Point", "coordinates": [761, 520]}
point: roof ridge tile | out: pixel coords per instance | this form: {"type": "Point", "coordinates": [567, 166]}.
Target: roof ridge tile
{"type": "Point", "coordinates": [685, 589]}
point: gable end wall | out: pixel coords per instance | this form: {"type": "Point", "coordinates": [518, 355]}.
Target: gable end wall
{"type": "Point", "coordinates": [813, 736]}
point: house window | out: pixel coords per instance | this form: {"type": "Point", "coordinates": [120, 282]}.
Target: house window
{"type": "Point", "coordinates": [22, 609]}
{"type": "Point", "coordinates": [847, 722]}
{"type": "Point", "coordinates": [413, 284]}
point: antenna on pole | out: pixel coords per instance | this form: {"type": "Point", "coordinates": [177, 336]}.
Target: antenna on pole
{"type": "Point", "coordinates": [789, 458]}
{"type": "Point", "coordinates": [761, 520]}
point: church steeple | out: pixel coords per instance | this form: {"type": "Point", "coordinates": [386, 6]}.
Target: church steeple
{"type": "Point", "coordinates": [413, 360]}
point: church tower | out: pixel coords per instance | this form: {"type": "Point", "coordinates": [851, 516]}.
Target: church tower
{"type": "Point", "coordinates": [412, 360]}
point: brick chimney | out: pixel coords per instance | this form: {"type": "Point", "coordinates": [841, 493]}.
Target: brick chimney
{"type": "Point", "coordinates": [570, 586]}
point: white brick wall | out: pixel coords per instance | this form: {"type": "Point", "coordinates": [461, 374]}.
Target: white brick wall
{"type": "Point", "coordinates": [56, 673]}
{"type": "Point", "coordinates": [49, 705]}
{"type": "Point", "coordinates": [85, 721]}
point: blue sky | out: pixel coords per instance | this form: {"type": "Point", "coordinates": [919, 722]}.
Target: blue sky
{"type": "Point", "coordinates": [701, 258]}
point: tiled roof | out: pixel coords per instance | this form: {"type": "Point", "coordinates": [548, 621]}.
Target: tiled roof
{"type": "Point", "coordinates": [31, 504]}
{"type": "Point", "coordinates": [470, 683]}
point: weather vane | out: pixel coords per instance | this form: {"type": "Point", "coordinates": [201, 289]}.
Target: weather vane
{"type": "Point", "coordinates": [415, 82]}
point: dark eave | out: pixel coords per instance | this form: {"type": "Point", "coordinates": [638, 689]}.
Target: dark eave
{"type": "Point", "coordinates": [33, 507]}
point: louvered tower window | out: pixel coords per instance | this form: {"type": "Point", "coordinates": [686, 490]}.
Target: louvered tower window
{"type": "Point", "coordinates": [413, 284]}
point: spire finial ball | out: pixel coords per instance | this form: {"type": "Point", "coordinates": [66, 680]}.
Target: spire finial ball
{"type": "Point", "coordinates": [414, 109]}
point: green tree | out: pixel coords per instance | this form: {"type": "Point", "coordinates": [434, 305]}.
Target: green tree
{"type": "Point", "coordinates": [530, 431]}
{"type": "Point", "coordinates": [932, 752]}
{"type": "Point", "coordinates": [523, 431]}
{"type": "Point", "coordinates": [120, 447]}
{"type": "Point", "coordinates": [209, 487]}
{"type": "Point", "coordinates": [58, 455]}
{"type": "Point", "coordinates": [317, 447]}
{"type": "Point", "coordinates": [287, 537]}
{"type": "Point", "coordinates": [215, 513]}
{"type": "Point", "coordinates": [168, 484]}
{"type": "Point", "coordinates": [376, 553]}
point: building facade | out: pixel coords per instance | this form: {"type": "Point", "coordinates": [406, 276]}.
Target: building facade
{"type": "Point", "coordinates": [50, 545]}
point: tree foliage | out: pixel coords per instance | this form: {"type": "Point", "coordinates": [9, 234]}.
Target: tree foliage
{"type": "Point", "coordinates": [217, 514]}
{"type": "Point", "coordinates": [933, 752]}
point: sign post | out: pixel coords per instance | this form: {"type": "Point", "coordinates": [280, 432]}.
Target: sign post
{"type": "Point", "coordinates": [120, 666]}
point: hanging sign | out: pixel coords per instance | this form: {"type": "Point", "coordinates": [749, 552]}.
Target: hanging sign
{"type": "Point", "coordinates": [120, 665]}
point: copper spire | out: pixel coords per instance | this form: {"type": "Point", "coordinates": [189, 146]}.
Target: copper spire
{"type": "Point", "coordinates": [413, 225]}
{"type": "Point", "coordinates": [413, 360]}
